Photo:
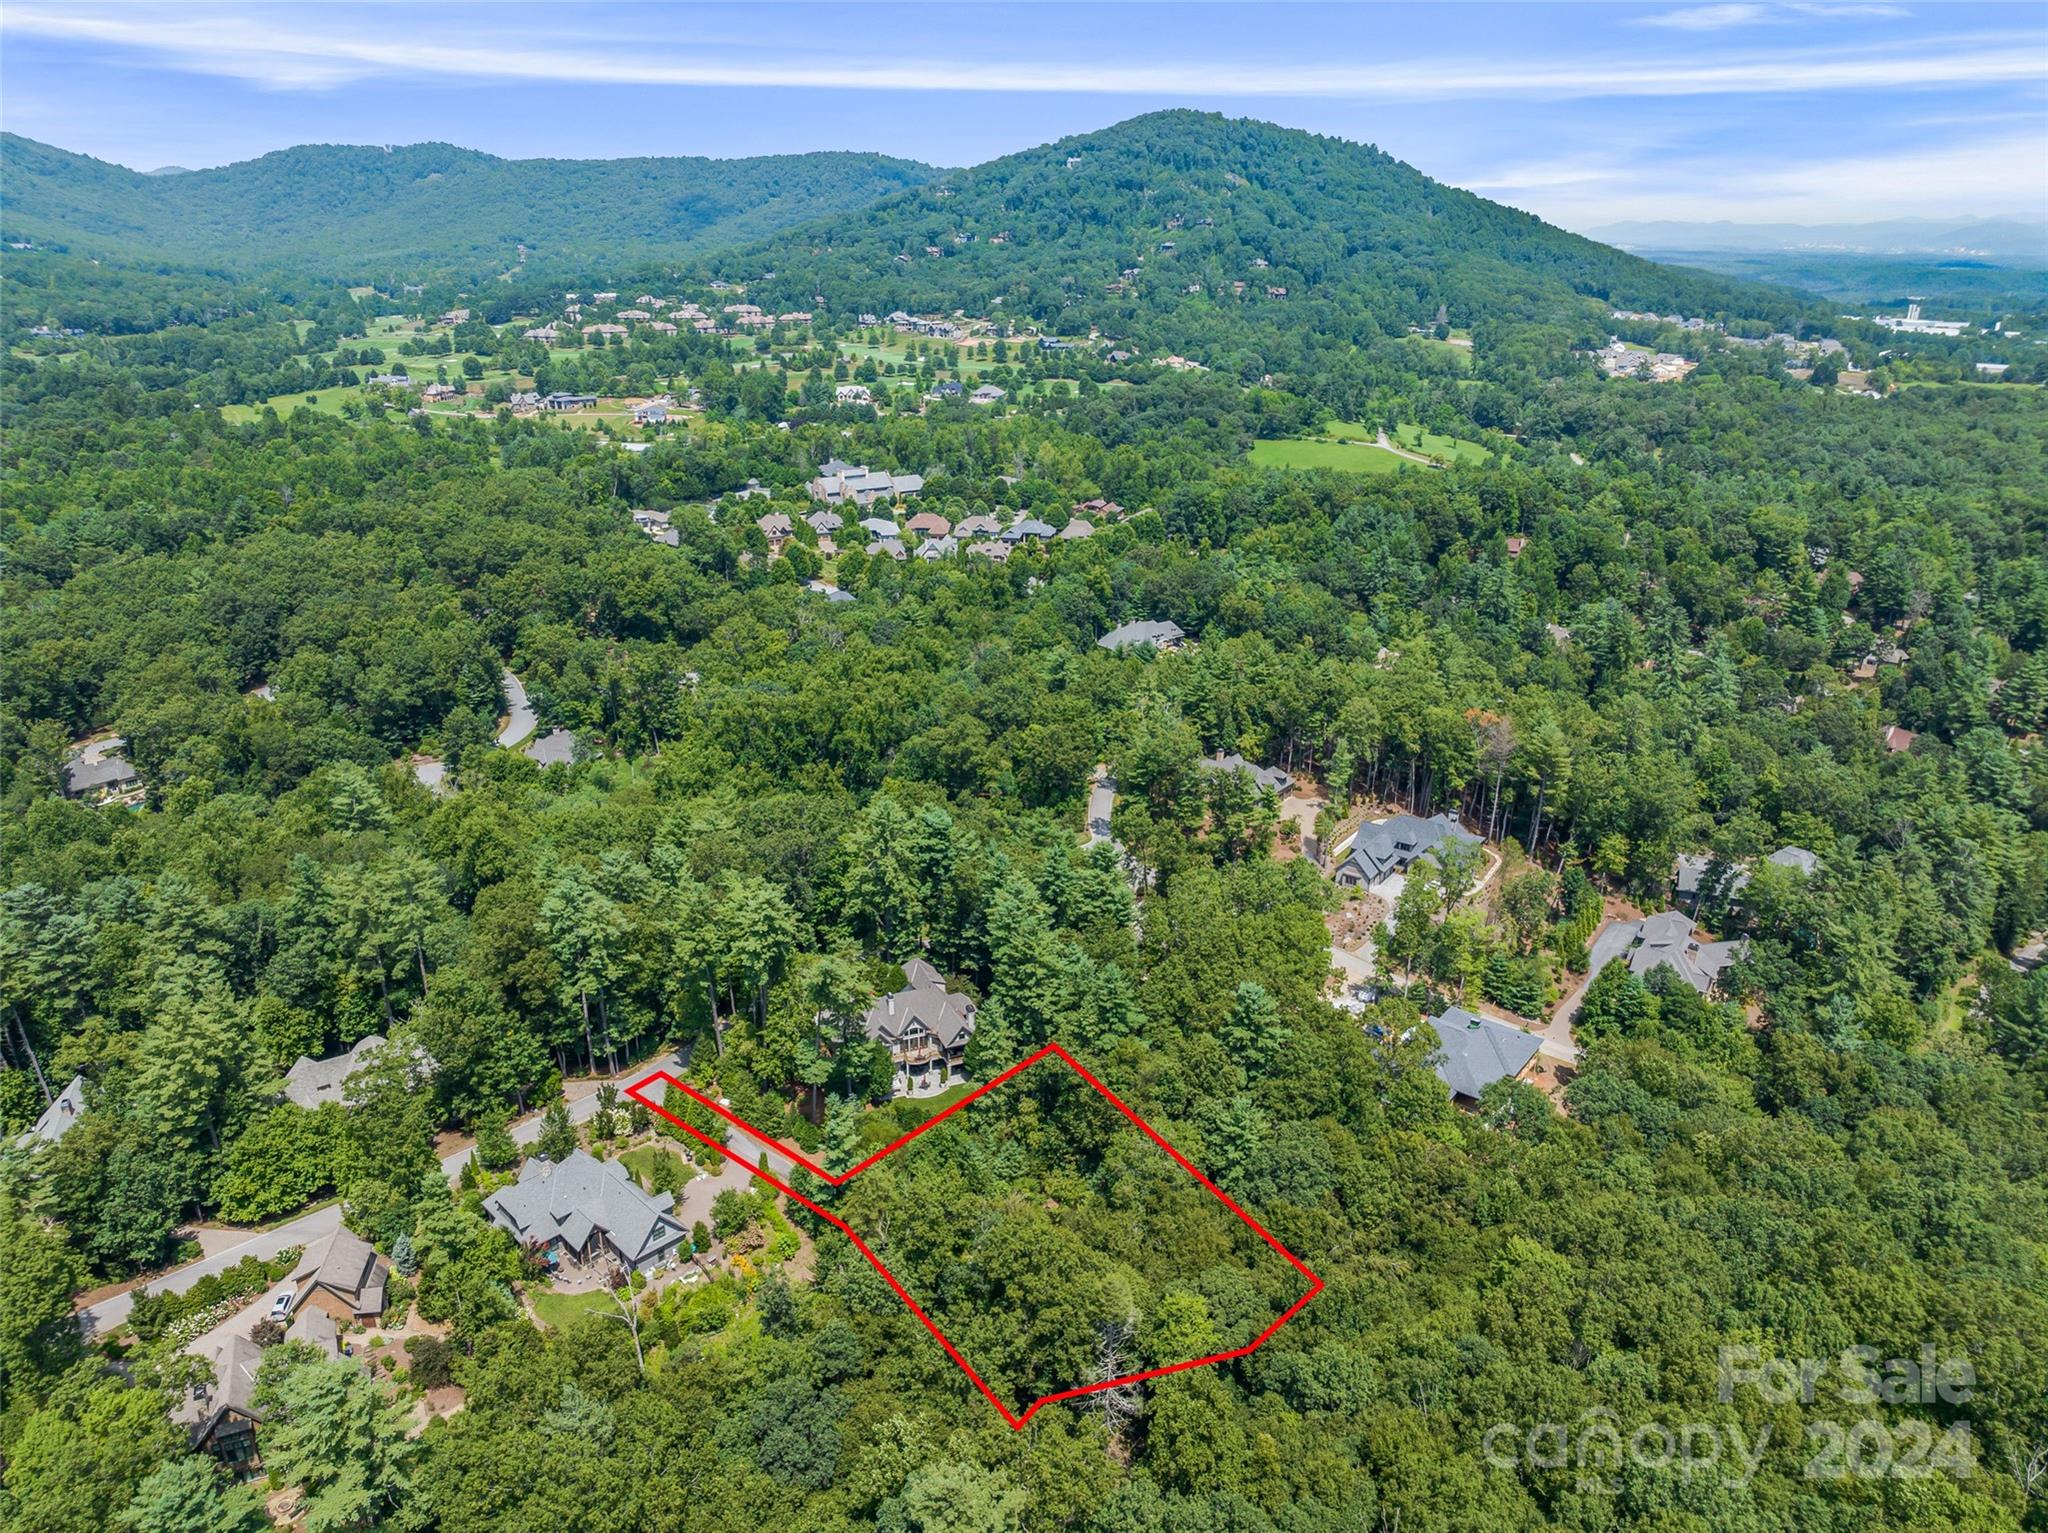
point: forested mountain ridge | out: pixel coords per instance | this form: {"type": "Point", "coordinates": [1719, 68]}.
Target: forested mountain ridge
{"type": "Point", "coordinates": [1191, 229]}
{"type": "Point", "coordinates": [363, 211]}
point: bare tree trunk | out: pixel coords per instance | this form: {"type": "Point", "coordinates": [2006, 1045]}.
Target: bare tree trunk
{"type": "Point", "coordinates": [34, 1063]}
{"type": "Point", "coordinates": [632, 1321]}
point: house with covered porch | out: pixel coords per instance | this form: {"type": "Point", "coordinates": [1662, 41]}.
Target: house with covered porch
{"type": "Point", "coordinates": [925, 1028]}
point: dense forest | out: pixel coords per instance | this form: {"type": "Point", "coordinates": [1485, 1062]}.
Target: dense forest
{"type": "Point", "coordinates": [357, 211]}
{"type": "Point", "coordinates": [1623, 625]}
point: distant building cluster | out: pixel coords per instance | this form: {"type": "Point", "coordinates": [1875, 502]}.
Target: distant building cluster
{"type": "Point", "coordinates": [839, 483]}
{"type": "Point", "coordinates": [1911, 323]}
{"type": "Point", "coordinates": [1618, 359]}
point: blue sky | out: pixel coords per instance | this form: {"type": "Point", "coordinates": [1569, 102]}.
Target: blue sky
{"type": "Point", "coordinates": [1584, 113]}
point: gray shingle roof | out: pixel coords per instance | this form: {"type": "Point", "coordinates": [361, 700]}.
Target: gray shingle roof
{"type": "Point", "coordinates": [235, 1359]}
{"type": "Point", "coordinates": [1266, 777]}
{"type": "Point", "coordinates": [923, 1001]}
{"type": "Point", "coordinates": [1667, 939]}
{"type": "Point", "coordinates": [1131, 635]}
{"type": "Point", "coordinates": [310, 1082]}
{"type": "Point", "coordinates": [1689, 871]}
{"type": "Point", "coordinates": [1396, 844]}
{"type": "Point", "coordinates": [1475, 1051]}
{"type": "Point", "coordinates": [55, 1121]}
{"type": "Point", "coordinates": [580, 1197]}
{"type": "Point", "coordinates": [347, 1265]}
{"type": "Point", "coordinates": [112, 772]}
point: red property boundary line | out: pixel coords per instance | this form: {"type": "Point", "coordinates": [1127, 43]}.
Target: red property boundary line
{"type": "Point", "coordinates": [638, 1091]}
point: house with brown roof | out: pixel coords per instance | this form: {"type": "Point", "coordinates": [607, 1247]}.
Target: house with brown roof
{"type": "Point", "coordinates": [342, 1276]}
{"type": "Point", "coordinates": [1897, 738]}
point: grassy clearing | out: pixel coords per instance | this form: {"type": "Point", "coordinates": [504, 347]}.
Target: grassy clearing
{"type": "Point", "coordinates": [1458, 348]}
{"type": "Point", "coordinates": [1448, 449]}
{"type": "Point", "coordinates": [1349, 457]}
{"type": "Point", "coordinates": [320, 401]}
{"type": "Point", "coordinates": [556, 1310]}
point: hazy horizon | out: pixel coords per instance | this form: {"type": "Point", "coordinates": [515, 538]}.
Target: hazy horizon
{"type": "Point", "coordinates": [1584, 115]}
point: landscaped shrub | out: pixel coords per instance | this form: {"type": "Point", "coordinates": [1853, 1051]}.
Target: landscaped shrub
{"type": "Point", "coordinates": [154, 1315]}
{"type": "Point", "coordinates": [432, 1361]}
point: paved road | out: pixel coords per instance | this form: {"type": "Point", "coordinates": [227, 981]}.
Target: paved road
{"type": "Point", "coordinates": [107, 1315]}
{"type": "Point", "coordinates": [1101, 805]}
{"type": "Point", "coordinates": [110, 1312]}
{"type": "Point", "coordinates": [1402, 452]}
{"type": "Point", "coordinates": [523, 719]}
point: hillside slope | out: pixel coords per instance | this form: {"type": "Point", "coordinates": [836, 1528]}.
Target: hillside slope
{"type": "Point", "coordinates": [364, 210]}
{"type": "Point", "coordinates": [1145, 229]}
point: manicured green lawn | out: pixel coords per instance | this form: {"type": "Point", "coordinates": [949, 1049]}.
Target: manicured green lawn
{"type": "Point", "coordinates": [558, 1309]}
{"type": "Point", "coordinates": [1346, 457]}
{"type": "Point", "coordinates": [900, 1117]}
{"type": "Point", "coordinates": [641, 1159]}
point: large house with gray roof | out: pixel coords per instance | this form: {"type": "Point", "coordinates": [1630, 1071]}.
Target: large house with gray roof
{"type": "Point", "coordinates": [1706, 875]}
{"type": "Point", "coordinates": [311, 1083]}
{"type": "Point", "coordinates": [583, 1211]}
{"type": "Point", "coordinates": [1393, 846]}
{"type": "Point", "coordinates": [1667, 939]}
{"type": "Point", "coordinates": [1160, 635]}
{"type": "Point", "coordinates": [925, 1028]}
{"type": "Point", "coordinates": [100, 774]}
{"type": "Point", "coordinates": [839, 484]}
{"type": "Point", "coordinates": [1272, 779]}
{"type": "Point", "coordinates": [220, 1417]}
{"type": "Point", "coordinates": [1474, 1051]}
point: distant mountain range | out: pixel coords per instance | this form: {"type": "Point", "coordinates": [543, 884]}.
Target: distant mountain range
{"type": "Point", "coordinates": [1188, 227]}
{"type": "Point", "coordinates": [1175, 228]}
{"type": "Point", "coordinates": [2014, 240]}
{"type": "Point", "coordinates": [355, 210]}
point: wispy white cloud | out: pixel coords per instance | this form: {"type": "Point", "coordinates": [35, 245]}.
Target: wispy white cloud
{"type": "Point", "coordinates": [275, 49]}
{"type": "Point", "coordinates": [1705, 18]}
{"type": "Point", "coordinates": [1998, 172]}
{"type": "Point", "coordinates": [1846, 8]}
{"type": "Point", "coordinates": [1740, 13]}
